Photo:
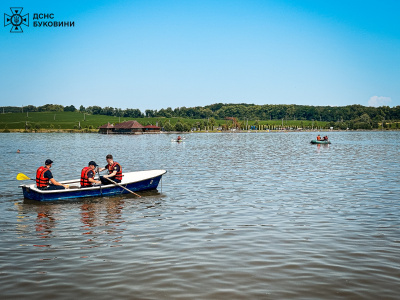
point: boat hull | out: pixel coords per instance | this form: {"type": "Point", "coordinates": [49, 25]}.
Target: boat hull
{"type": "Point", "coordinates": [320, 142]}
{"type": "Point", "coordinates": [134, 181]}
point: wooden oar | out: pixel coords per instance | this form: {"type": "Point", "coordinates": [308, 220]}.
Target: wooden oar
{"type": "Point", "coordinates": [120, 185]}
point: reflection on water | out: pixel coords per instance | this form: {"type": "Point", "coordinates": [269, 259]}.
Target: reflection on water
{"type": "Point", "coordinates": [323, 146]}
{"type": "Point", "coordinates": [45, 222]}
{"type": "Point", "coordinates": [110, 217]}
{"type": "Point", "coordinates": [98, 217]}
{"type": "Point", "coordinates": [88, 216]}
{"type": "Point", "coordinates": [241, 216]}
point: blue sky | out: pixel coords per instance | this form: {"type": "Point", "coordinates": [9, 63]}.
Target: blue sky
{"type": "Point", "coordinates": [158, 54]}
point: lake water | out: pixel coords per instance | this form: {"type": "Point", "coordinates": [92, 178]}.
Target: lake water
{"type": "Point", "coordinates": [239, 216]}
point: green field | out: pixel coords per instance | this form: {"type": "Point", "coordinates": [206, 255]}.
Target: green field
{"type": "Point", "coordinates": [80, 121]}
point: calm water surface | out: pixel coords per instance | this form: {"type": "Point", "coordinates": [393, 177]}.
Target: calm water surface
{"type": "Point", "coordinates": [239, 216]}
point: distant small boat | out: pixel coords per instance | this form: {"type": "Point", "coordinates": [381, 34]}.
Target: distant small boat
{"type": "Point", "coordinates": [320, 142]}
{"type": "Point", "coordinates": [178, 141]}
{"type": "Point", "coordinates": [134, 181]}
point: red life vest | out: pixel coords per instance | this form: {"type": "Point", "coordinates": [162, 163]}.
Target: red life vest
{"type": "Point", "coordinates": [41, 181]}
{"type": "Point", "coordinates": [117, 176]}
{"type": "Point", "coordinates": [84, 177]}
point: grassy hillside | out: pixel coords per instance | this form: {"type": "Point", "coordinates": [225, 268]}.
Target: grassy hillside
{"type": "Point", "coordinates": [49, 120]}
{"type": "Point", "coordinates": [60, 120]}
{"type": "Point", "coordinates": [72, 120]}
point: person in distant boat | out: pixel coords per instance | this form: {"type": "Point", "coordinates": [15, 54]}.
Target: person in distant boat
{"type": "Point", "coordinates": [179, 138]}
{"type": "Point", "coordinates": [18, 151]}
{"type": "Point", "coordinates": [325, 138]}
{"type": "Point", "coordinates": [45, 180]}
{"type": "Point", "coordinates": [87, 175]}
{"type": "Point", "coordinates": [318, 137]}
{"type": "Point", "coordinates": [114, 171]}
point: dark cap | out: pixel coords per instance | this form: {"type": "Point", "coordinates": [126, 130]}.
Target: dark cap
{"type": "Point", "coordinates": [48, 161]}
{"type": "Point", "coordinates": [92, 163]}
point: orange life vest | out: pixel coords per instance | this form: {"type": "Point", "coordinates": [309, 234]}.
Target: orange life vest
{"type": "Point", "coordinates": [84, 177]}
{"type": "Point", "coordinates": [118, 176]}
{"type": "Point", "coordinates": [41, 181]}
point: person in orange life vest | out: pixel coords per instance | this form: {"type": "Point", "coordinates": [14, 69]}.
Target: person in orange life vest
{"type": "Point", "coordinates": [87, 175]}
{"type": "Point", "coordinates": [318, 137]}
{"type": "Point", "coordinates": [114, 171]}
{"type": "Point", "coordinates": [45, 180]}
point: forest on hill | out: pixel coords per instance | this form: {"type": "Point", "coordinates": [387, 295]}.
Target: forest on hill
{"type": "Point", "coordinates": [339, 117]}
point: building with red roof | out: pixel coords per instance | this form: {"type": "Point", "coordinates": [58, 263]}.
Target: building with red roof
{"type": "Point", "coordinates": [128, 127]}
{"type": "Point", "coordinates": [106, 128]}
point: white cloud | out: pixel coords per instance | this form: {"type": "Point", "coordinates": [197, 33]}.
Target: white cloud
{"type": "Point", "coordinates": [379, 101]}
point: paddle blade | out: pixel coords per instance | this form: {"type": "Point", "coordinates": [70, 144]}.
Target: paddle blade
{"type": "Point", "coordinates": [21, 176]}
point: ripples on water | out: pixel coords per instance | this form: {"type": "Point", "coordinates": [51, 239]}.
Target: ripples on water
{"type": "Point", "coordinates": [239, 216]}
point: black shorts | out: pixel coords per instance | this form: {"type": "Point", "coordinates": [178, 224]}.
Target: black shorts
{"type": "Point", "coordinates": [106, 181]}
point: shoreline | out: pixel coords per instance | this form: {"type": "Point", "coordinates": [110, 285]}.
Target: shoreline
{"type": "Point", "coordinates": [94, 131]}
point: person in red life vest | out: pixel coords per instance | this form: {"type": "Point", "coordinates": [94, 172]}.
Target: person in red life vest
{"type": "Point", "coordinates": [87, 175]}
{"type": "Point", "coordinates": [114, 171]}
{"type": "Point", "coordinates": [179, 138]}
{"type": "Point", "coordinates": [45, 180]}
{"type": "Point", "coordinates": [325, 138]}
{"type": "Point", "coordinates": [318, 137]}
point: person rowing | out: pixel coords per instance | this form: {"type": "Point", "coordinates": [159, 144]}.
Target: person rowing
{"type": "Point", "coordinates": [45, 180]}
{"type": "Point", "coordinates": [87, 175]}
{"type": "Point", "coordinates": [319, 138]}
{"type": "Point", "coordinates": [114, 171]}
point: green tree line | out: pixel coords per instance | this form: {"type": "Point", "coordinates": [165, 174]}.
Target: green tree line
{"type": "Point", "coordinates": [219, 111]}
